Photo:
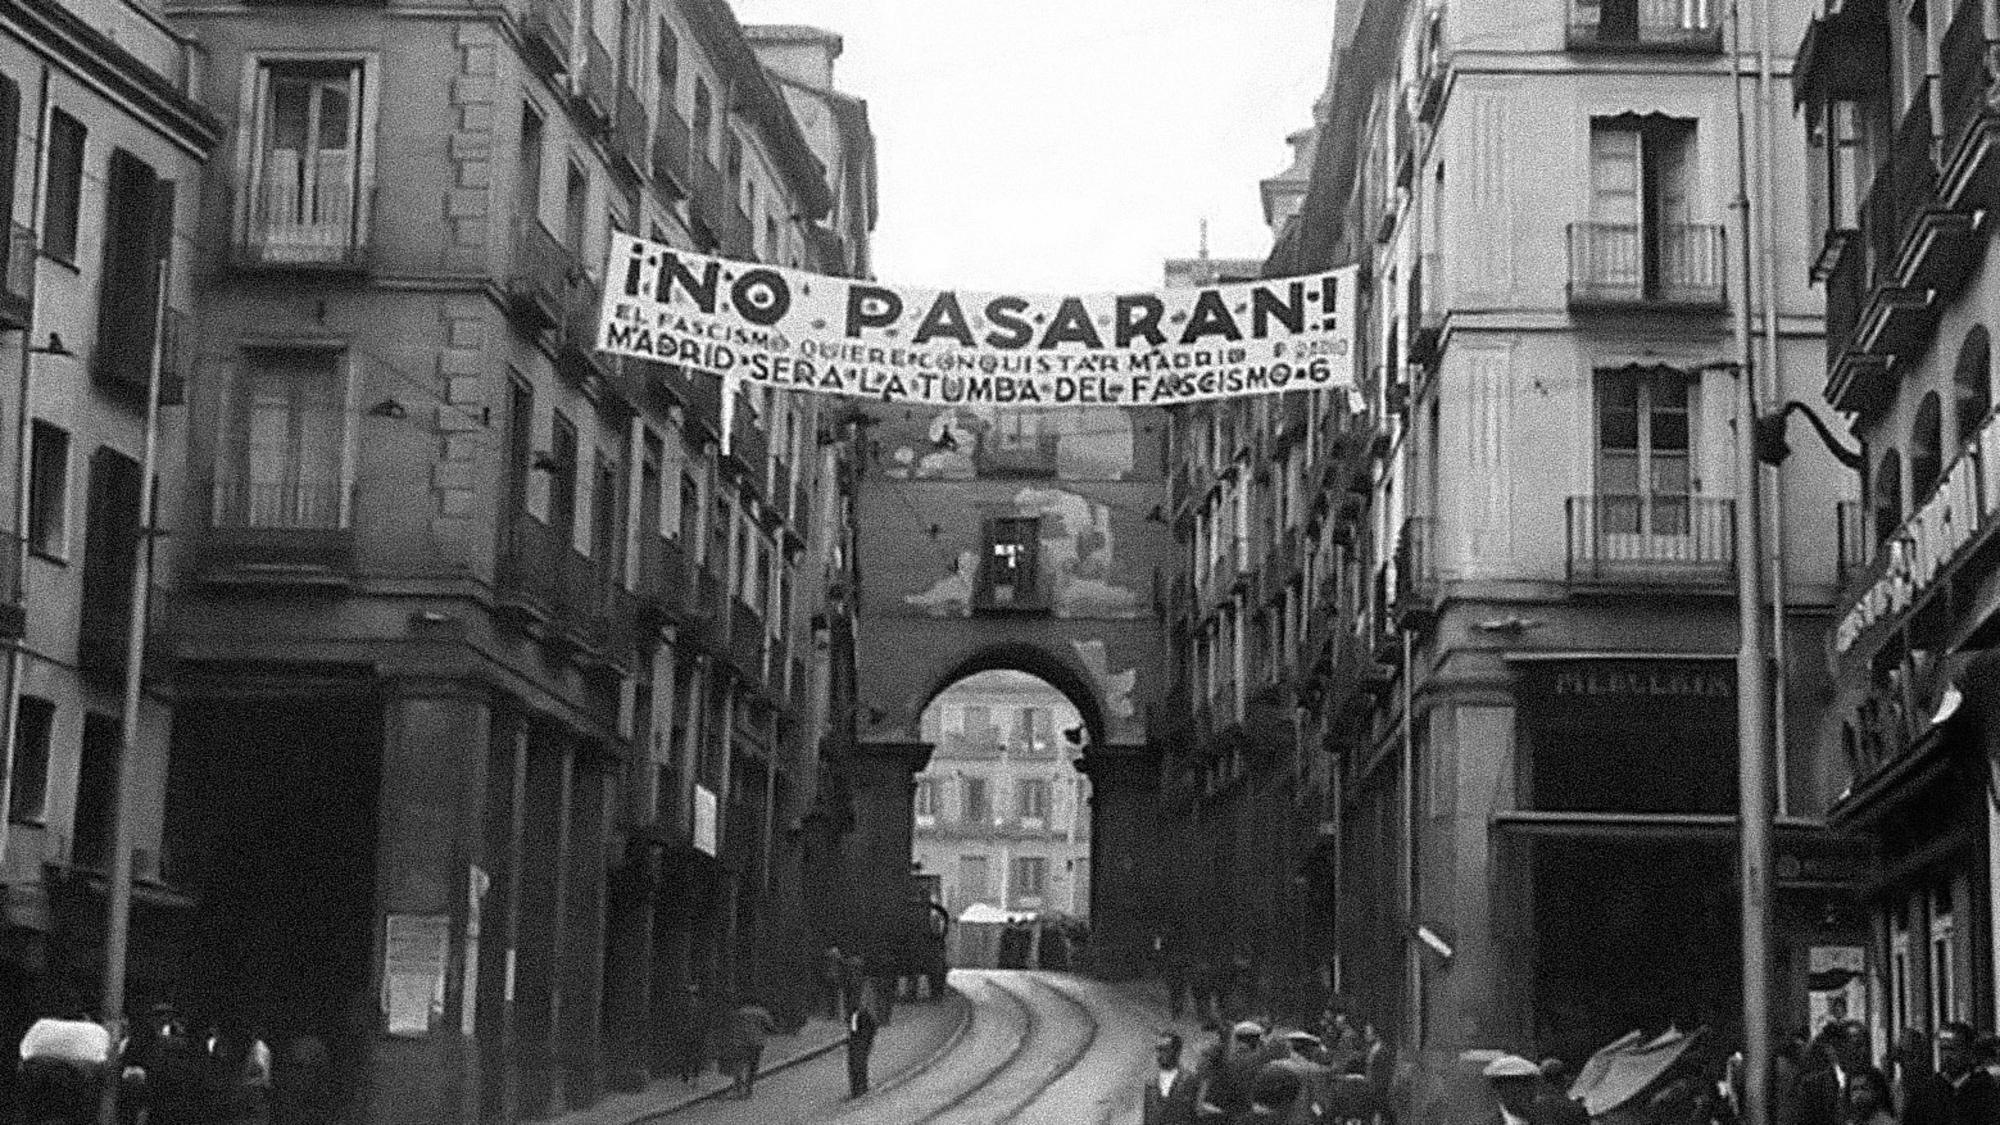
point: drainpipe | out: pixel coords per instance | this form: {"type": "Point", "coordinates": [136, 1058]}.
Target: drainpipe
{"type": "Point", "coordinates": [1412, 949]}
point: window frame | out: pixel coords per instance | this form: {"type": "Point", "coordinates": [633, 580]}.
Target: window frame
{"type": "Point", "coordinates": [250, 137]}
{"type": "Point", "coordinates": [346, 372]}
{"type": "Point", "coordinates": [53, 547]}
{"type": "Point", "coordinates": [38, 814]}
{"type": "Point", "coordinates": [69, 210]}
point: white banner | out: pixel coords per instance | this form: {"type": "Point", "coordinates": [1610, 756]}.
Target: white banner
{"type": "Point", "coordinates": [796, 331]}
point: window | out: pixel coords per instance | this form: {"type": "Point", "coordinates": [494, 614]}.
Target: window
{"type": "Point", "coordinates": [704, 116]}
{"type": "Point", "coordinates": [1943, 966]}
{"type": "Point", "coordinates": [96, 793]}
{"type": "Point", "coordinates": [1972, 384]}
{"type": "Point", "coordinates": [925, 800]}
{"type": "Point", "coordinates": [10, 139]}
{"type": "Point", "coordinates": [1926, 450]}
{"type": "Point", "coordinates": [975, 808]}
{"type": "Point", "coordinates": [1888, 493]}
{"type": "Point", "coordinates": [576, 210]}
{"type": "Point", "coordinates": [604, 530]}
{"type": "Point", "coordinates": [1847, 171]}
{"type": "Point", "coordinates": [48, 490]}
{"type": "Point", "coordinates": [1644, 482]}
{"type": "Point", "coordinates": [1018, 445]}
{"type": "Point", "coordinates": [281, 461]}
{"type": "Point", "coordinates": [972, 878]}
{"type": "Point", "coordinates": [1900, 1014]}
{"type": "Point", "coordinates": [690, 512]}
{"type": "Point", "coordinates": [305, 191]}
{"type": "Point", "coordinates": [1640, 243]}
{"type": "Point", "coordinates": [27, 801]}
{"type": "Point", "coordinates": [138, 237]}
{"type": "Point", "coordinates": [1031, 877]}
{"type": "Point", "coordinates": [65, 186]}
{"type": "Point", "coordinates": [520, 442]}
{"type": "Point", "coordinates": [667, 65]}
{"type": "Point", "coordinates": [1007, 580]}
{"type": "Point", "coordinates": [1031, 799]}
{"type": "Point", "coordinates": [528, 176]}
{"type": "Point", "coordinates": [562, 479]}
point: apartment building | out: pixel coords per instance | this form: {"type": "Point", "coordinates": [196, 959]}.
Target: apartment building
{"type": "Point", "coordinates": [102, 143]}
{"type": "Point", "coordinates": [1900, 131]}
{"type": "Point", "coordinates": [1476, 625]}
{"type": "Point", "coordinates": [1000, 810]}
{"type": "Point", "coordinates": [505, 668]}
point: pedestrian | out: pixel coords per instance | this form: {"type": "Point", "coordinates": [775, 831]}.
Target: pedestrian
{"type": "Point", "coordinates": [1868, 1098]}
{"type": "Point", "coordinates": [741, 1049]}
{"type": "Point", "coordinates": [302, 1084]}
{"type": "Point", "coordinates": [1819, 1093]}
{"type": "Point", "coordinates": [1225, 1086]}
{"type": "Point", "coordinates": [861, 1027]}
{"type": "Point", "coordinates": [692, 1037]}
{"type": "Point", "coordinates": [64, 1065]}
{"type": "Point", "coordinates": [833, 981]}
{"type": "Point", "coordinates": [1174, 968]}
{"type": "Point", "coordinates": [1960, 1093]}
{"type": "Point", "coordinates": [237, 1074]}
{"type": "Point", "coordinates": [171, 1066]}
{"type": "Point", "coordinates": [1170, 1092]}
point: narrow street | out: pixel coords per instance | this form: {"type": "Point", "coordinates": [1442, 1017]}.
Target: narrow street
{"type": "Point", "coordinates": [1038, 1047]}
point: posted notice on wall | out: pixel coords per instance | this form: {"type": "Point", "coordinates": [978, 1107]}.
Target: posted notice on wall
{"type": "Point", "coordinates": [796, 331]}
{"type": "Point", "coordinates": [416, 953]}
{"type": "Point", "coordinates": [704, 820]}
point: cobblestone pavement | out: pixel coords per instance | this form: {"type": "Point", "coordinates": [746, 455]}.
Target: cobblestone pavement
{"type": "Point", "coordinates": [1037, 1049]}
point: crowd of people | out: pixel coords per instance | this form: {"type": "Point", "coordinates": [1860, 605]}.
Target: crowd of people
{"type": "Point", "coordinates": [167, 1072]}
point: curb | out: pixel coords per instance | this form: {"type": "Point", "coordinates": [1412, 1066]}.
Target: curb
{"type": "Point", "coordinates": [785, 1063]}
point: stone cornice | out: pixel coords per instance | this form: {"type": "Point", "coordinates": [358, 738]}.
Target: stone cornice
{"type": "Point", "coordinates": [58, 32]}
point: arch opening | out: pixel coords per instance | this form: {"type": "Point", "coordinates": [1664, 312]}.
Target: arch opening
{"type": "Point", "coordinates": [1000, 834]}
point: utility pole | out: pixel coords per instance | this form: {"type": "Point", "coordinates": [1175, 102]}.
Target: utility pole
{"type": "Point", "coordinates": [118, 914]}
{"type": "Point", "coordinates": [1752, 703]}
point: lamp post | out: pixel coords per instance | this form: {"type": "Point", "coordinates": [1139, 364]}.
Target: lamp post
{"type": "Point", "coordinates": [118, 912]}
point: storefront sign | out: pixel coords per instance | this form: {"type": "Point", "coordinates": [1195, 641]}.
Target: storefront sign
{"type": "Point", "coordinates": [790, 330]}
{"type": "Point", "coordinates": [1644, 681]}
{"type": "Point", "coordinates": [704, 820]}
{"type": "Point", "coordinates": [1931, 539]}
{"type": "Point", "coordinates": [415, 958]}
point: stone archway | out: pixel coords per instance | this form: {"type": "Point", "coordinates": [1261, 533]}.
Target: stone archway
{"type": "Point", "coordinates": [1123, 804]}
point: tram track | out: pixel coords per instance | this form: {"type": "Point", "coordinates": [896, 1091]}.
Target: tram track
{"type": "Point", "coordinates": [1076, 1056]}
{"type": "Point", "coordinates": [1030, 1021]}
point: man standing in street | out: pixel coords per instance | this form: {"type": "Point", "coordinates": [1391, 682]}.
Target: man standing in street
{"type": "Point", "coordinates": [1170, 1092]}
{"type": "Point", "coordinates": [861, 1025]}
{"type": "Point", "coordinates": [1960, 1093]}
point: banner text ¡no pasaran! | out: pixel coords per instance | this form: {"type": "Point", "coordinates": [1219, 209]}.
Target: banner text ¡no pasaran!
{"type": "Point", "coordinates": [800, 331]}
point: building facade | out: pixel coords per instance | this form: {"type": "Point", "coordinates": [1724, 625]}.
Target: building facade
{"type": "Point", "coordinates": [102, 145]}
{"type": "Point", "coordinates": [1475, 624]}
{"type": "Point", "coordinates": [1895, 100]}
{"type": "Point", "coordinates": [508, 723]}
{"type": "Point", "coordinates": [1000, 810]}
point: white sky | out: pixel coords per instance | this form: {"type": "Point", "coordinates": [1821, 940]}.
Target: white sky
{"type": "Point", "coordinates": [1070, 145]}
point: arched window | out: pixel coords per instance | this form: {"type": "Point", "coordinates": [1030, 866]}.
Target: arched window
{"type": "Point", "coordinates": [1972, 385]}
{"type": "Point", "coordinates": [1926, 450]}
{"type": "Point", "coordinates": [1888, 495]}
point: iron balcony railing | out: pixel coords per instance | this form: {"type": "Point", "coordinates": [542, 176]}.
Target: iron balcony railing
{"type": "Point", "coordinates": [1651, 539]}
{"type": "Point", "coordinates": [1914, 160]}
{"type": "Point", "coordinates": [1630, 264]}
{"type": "Point", "coordinates": [1645, 25]}
{"type": "Point", "coordinates": [746, 638]}
{"type": "Point", "coordinates": [304, 505]}
{"type": "Point", "coordinates": [1846, 293]}
{"type": "Point", "coordinates": [1969, 73]}
{"type": "Point", "coordinates": [538, 285]}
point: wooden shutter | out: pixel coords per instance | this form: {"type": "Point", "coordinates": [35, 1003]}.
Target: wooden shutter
{"type": "Point", "coordinates": [138, 235]}
{"type": "Point", "coordinates": [10, 113]}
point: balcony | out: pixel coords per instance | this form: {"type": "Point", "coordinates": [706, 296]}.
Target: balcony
{"type": "Point", "coordinates": [1644, 25]}
{"type": "Point", "coordinates": [749, 445]}
{"type": "Point", "coordinates": [1856, 545]}
{"type": "Point", "coordinates": [738, 235]}
{"type": "Point", "coordinates": [102, 636]}
{"type": "Point", "coordinates": [296, 531]}
{"type": "Point", "coordinates": [530, 570]}
{"type": "Point", "coordinates": [576, 335]}
{"type": "Point", "coordinates": [746, 639]}
{"type": "Point", "coordinates": [1971, 111]}
{"type": "Point", "coordinates": [17, 279]}
{"type": "Point", "coordinates": [595, 91]}
{"type": "Point", "coordinates": [664, 578]}
{"type": "Point", "coordinates": [707, 194]}
{"type": "Point", "coordinates": [671, 144]}
{"type": "Point", "coordinates": [124, 356]}
{"type": "Point", "coordinates": [538, 286]}
{"type": "Point", "coordinates": [545, 32]}
{"type": "Point", "coordinates": [802, 511]}
{"type": "Point", "coordinates": [1677, 542]}
{"type": "Point", "coordinates": [629, 150]}
{"type": "Point", "coordinates": [318, 234]}
{"type": "Point", "coordinates": [1624, 265]}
